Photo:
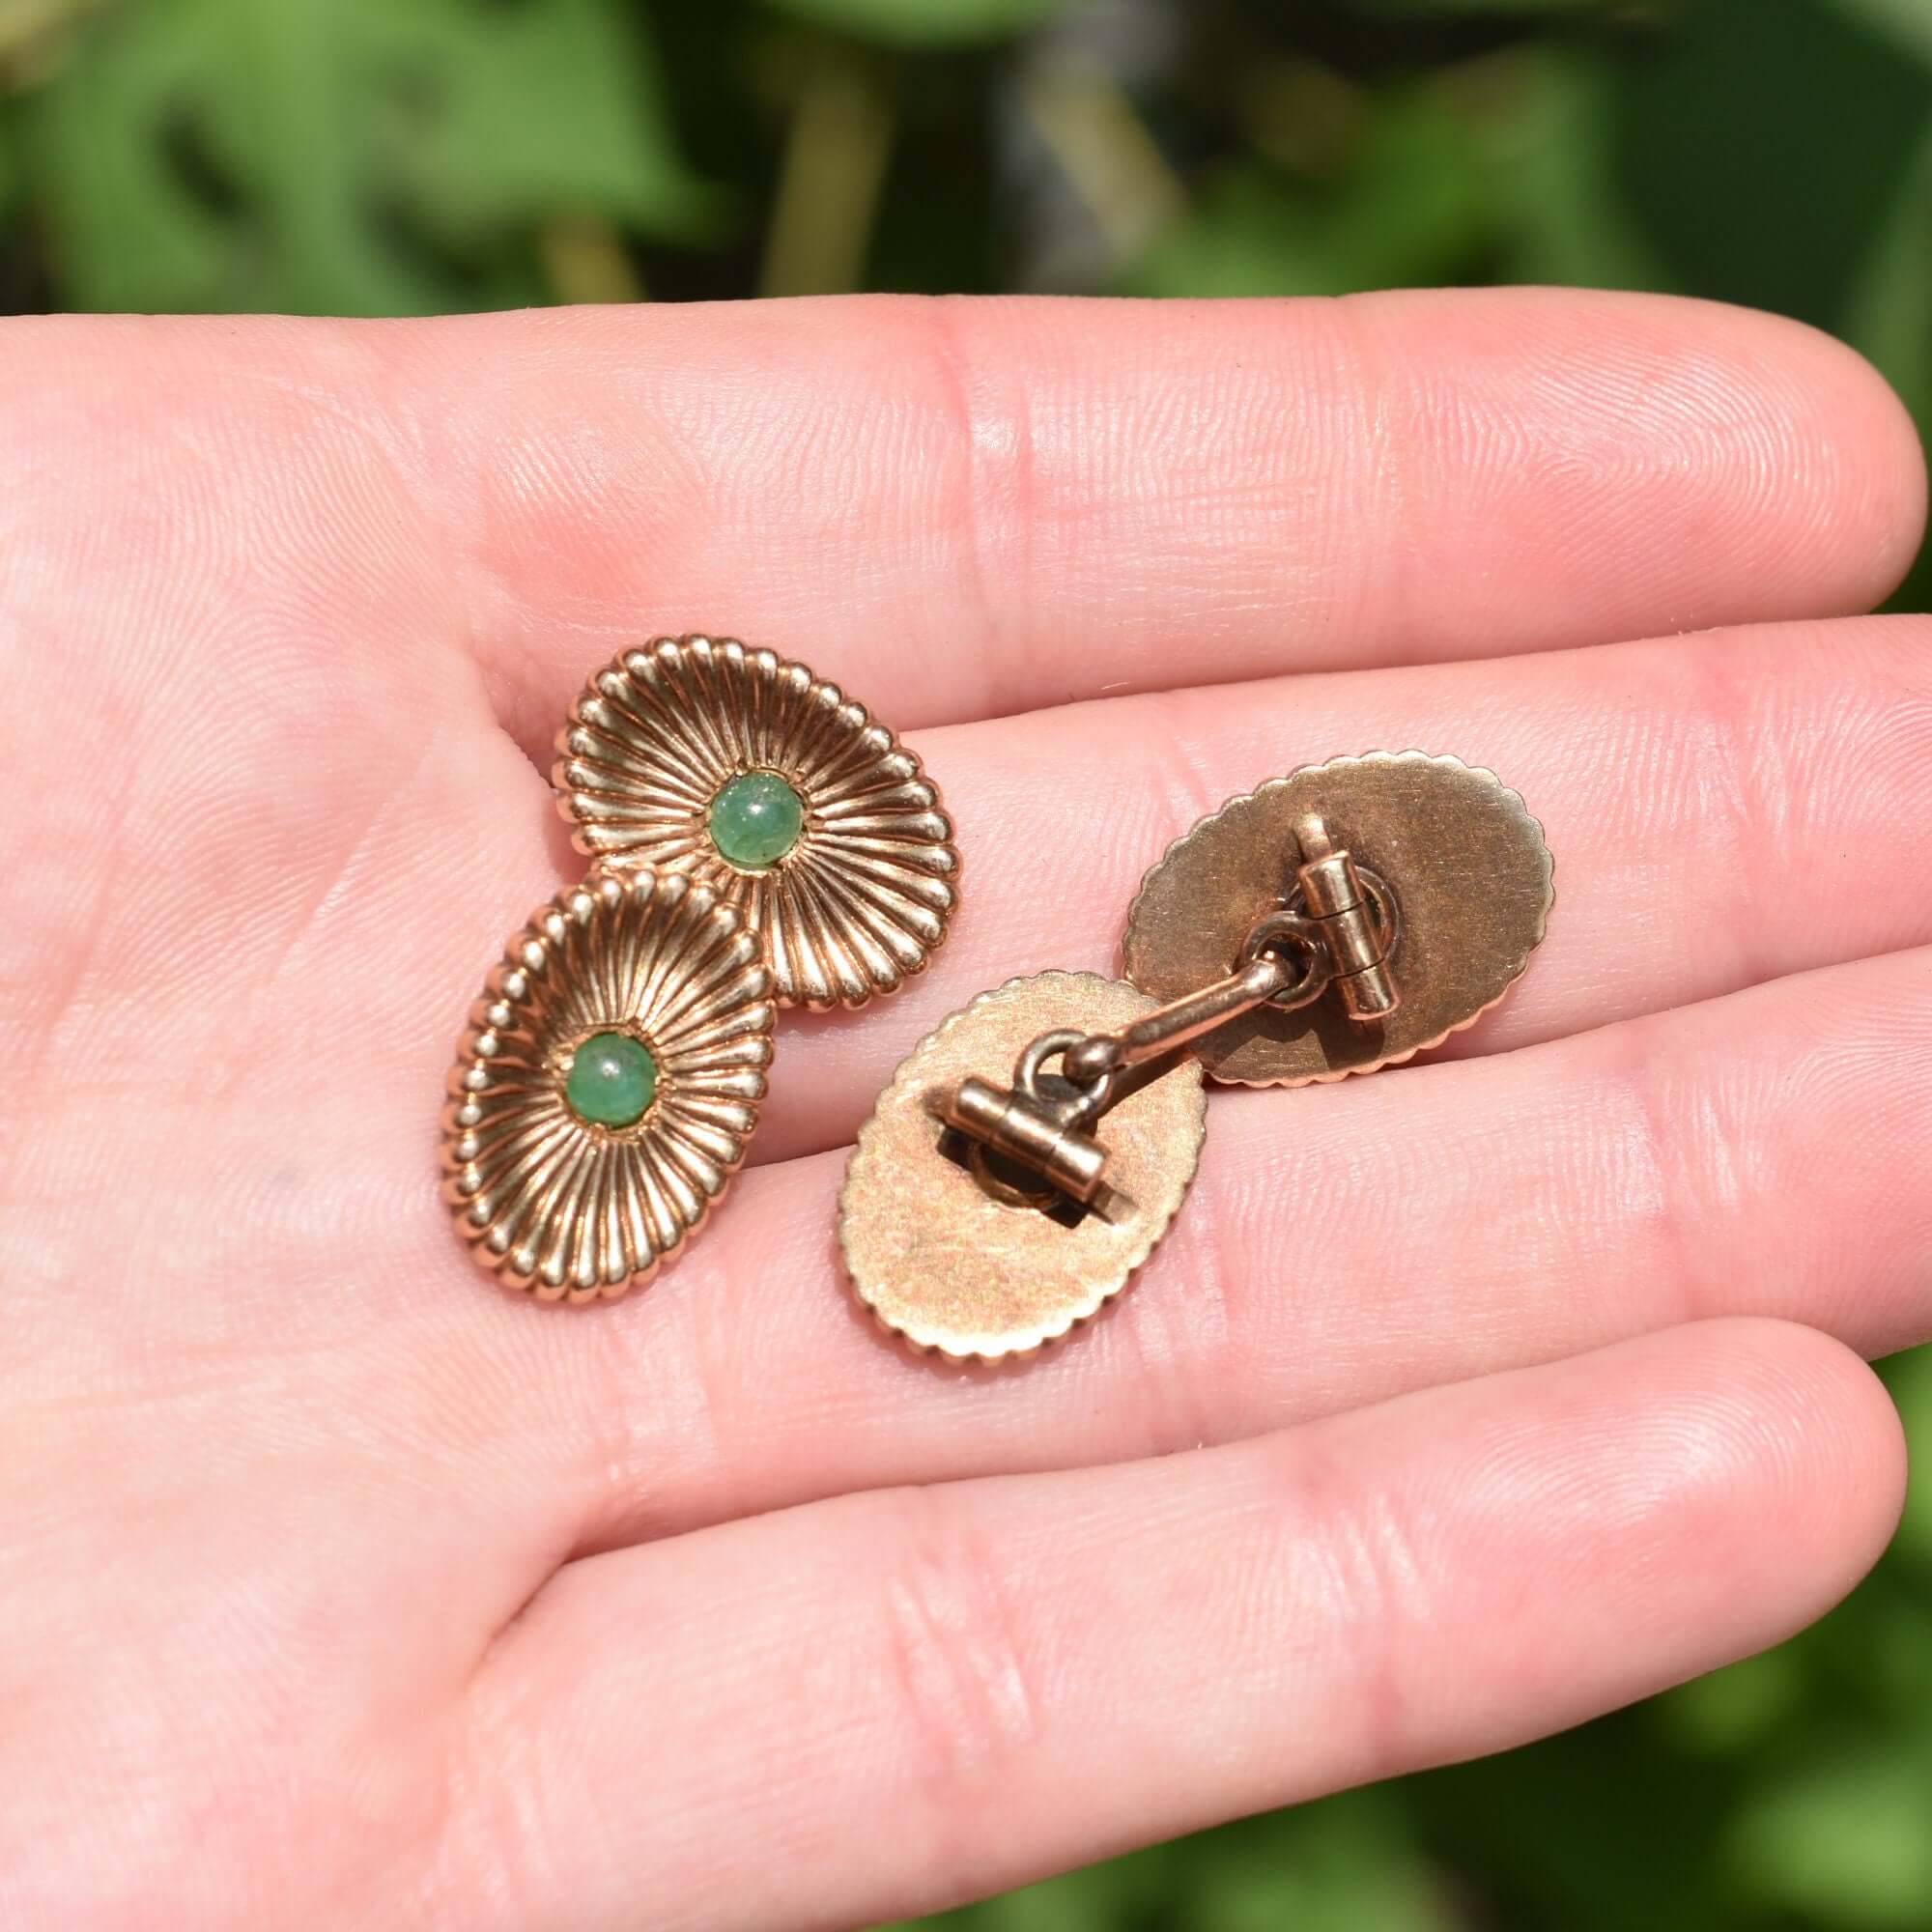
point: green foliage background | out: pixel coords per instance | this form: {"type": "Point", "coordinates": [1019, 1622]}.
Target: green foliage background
{"type": "Point", "coordinates": [396, 156]}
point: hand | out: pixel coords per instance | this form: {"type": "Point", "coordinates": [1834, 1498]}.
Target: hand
{"type": "Point", "coordinates": [338, 1589]}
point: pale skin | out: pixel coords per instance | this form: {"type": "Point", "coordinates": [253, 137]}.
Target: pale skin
{"type": "Point", "coordinates": [339, 1587]}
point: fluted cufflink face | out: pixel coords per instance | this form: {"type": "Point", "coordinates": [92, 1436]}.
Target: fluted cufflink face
{"type": "Point", "coordinates": [757, 841]}
{"type": "Point", "coordinates": [781, 794]}
{"type": "Point", "coordinates": [604, 1096]}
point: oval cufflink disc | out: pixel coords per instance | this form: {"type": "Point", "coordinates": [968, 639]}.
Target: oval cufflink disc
{"type": "Point", "coordinates": [1465, 859]}
{"type": "Point", "coordinates": [947, 1255]}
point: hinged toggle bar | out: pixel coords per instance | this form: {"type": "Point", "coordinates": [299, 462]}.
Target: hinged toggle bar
{"type": "Point", "coordinates": [1341, 934]}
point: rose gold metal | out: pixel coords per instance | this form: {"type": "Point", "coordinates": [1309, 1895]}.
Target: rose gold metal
{"type": "Point", "coordinates": [1452, 894]}
{"type": "Point", "coordinates": [860, 903]}
{"type": "Point", "coordinates": [1045, 1134]}
{"type": "Point", "coordinates": [1179, 1023]}
{"type": "Point", "coordinates": [951, 1256]}
{"type": "Point", "coordinates": [1044, 1137]}
{"type": "Point", "coordinates": [555, 1205]}
{"type": "Point", "coordinates": [1356, 941]}
{"type": "Point", "coordinates": [1243, 932]}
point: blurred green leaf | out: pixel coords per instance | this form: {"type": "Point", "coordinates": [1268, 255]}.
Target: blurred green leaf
{"type": "Point", "coordinates": [1849, 1837]}
{"type": "Point", "coordinates": [1523, 9]}
{"type": "Point", "coordinates": [924, 23]}
{"type": "Point", "coordinates": [1894, 1662]}
{"type": "Point", "coordinates": [1602, 1829]}
{"type": "Point", "coordinates": [342, 156]}
{"type": "Point", "coordinates": [1908, 21]}
{"type": "Point", "coordinates": [1733, 1709]}
{"type": "Point", "coordinates": [538, 108]}
{"type": "Point", "coordinates": [1350, 1863]}
{"type": "Point", "coordinates": [1551, 177]}
{"type": "Point", "coordinates": [1408, 208]}
{"type": "Point", "coordinates": [1907, 307]}
{"type": "Point", "coordinates": [1888, 318]}
{"type": "Point", "coordinates": [1749, 142]}
{"type": "Point", "coordinates": [1346, 1865]}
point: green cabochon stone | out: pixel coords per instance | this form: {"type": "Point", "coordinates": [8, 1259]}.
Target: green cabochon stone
{"type": "Point", "coordinates": [757, 819]}
{"type": "Point", "coordinates": [612, 1080]}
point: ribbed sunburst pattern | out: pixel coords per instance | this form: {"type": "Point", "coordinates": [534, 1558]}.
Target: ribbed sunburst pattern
{"type": "Point", "coordinates": [558, 1206]}
{"type": "Point", "coordinates": [861, 899]}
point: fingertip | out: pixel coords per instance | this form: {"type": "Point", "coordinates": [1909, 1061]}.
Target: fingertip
{"type": "Point", "coordinates": [1827, 1453]}
{"type": "Point", "coordinates": [1856, 452]}
{"type": "Point", "coordinates": [1676, 463]}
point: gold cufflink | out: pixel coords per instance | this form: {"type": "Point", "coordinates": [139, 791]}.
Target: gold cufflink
{"type": "Point", "coordinates": [1334, 921]}
{"type": "Point", "coordinates": [757, 841]}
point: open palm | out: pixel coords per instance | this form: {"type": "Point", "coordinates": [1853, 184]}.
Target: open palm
{"type": "Point", "coordinates": [339, 1588]}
